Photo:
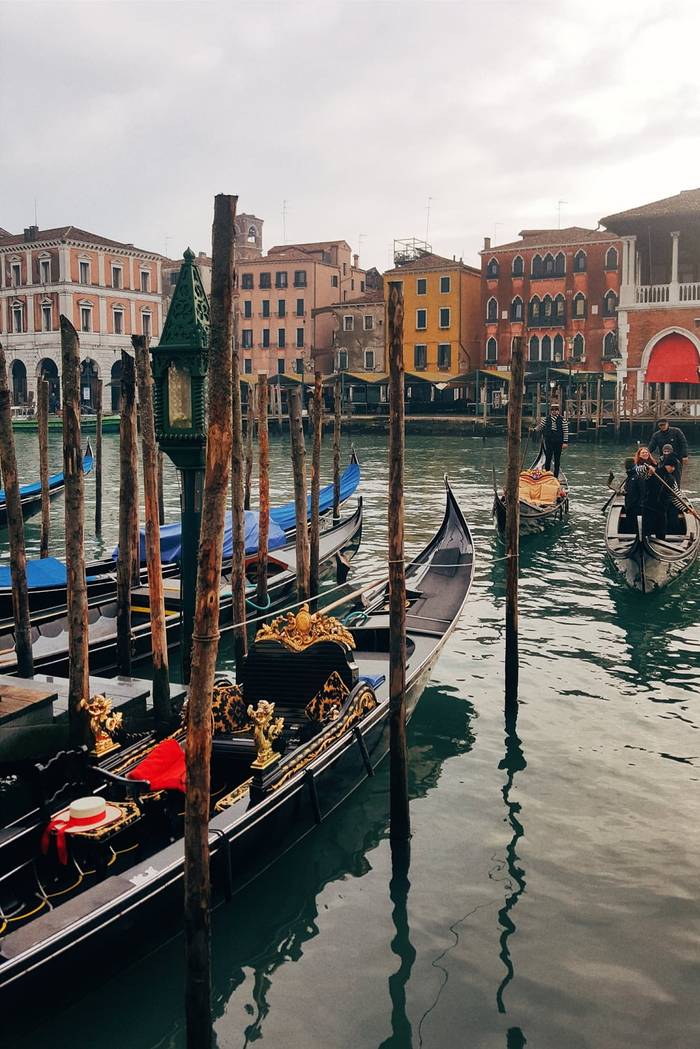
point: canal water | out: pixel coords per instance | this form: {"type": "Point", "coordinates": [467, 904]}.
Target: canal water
{"type": "Point", "coordinates": [554, 872]}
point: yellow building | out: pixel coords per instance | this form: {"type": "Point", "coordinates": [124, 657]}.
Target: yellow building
{"type": "Point", "coordinates": [442, 316]}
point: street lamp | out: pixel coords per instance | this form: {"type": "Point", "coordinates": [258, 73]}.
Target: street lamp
{"type": "Point", "coordinates": [179, 401]}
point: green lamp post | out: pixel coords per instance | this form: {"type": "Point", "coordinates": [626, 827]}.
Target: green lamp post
{"type": "Point", "coordinates": [179, 401]}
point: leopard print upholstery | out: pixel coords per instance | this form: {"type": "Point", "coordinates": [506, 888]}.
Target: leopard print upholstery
{"type": "Point", "coordinates": [229, 710]}
{"type": "Point", "coordinates": [327, 703]}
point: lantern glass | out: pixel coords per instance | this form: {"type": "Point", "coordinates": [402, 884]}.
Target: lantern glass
{"type": "Point", "coordinates": [179, 398]}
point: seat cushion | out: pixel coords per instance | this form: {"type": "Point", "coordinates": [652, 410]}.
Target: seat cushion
{"type": "Point", "coordinates": [327, 703]}
{"type": "Point", "coordinates": [229, 710]}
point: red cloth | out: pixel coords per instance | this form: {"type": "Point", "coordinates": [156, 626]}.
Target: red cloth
{"type": "Point", "coordinates": [59, 825]}
{"type": "Point", "coordinates": [673, 359]}
{"type": "Point", "coordinates": [164, 768]}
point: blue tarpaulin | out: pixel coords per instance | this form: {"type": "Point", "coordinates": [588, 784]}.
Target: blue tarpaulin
{"type": "Point", "coordinates": [170, 539]}
{"type": "Point", "coordinates": [47, 571]}
{"type": "Point", "coordinates": [285, 517]}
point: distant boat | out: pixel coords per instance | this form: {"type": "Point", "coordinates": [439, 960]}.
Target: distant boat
{"type": "Point", "coordinates": [88, 423]}
{"type": "Point", "coordinates": [645, 562]}
{"type": "Point", "coordinates": [30, 494]}
{"type": "Point", "coordinates": [543, 498]}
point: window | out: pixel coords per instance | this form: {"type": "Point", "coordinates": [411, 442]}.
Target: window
{"type": "Point", "coordinates": [266, 338]}
{"type": "Point", "coordinates": [445, 285]}
{"type": "Point", "coordinates": [534, 349]}
{"type": "Point", "coordinates": [281, 338]}
{"type": "Point", "coordinates": [369, 360]}
{"type": "Point", "coordinates": [345, 269]}
{"type": "Point", "coordinates": [609, 304]}
{"type": "Point", "coordinates": [422, 286]}
{"type": "Point", "coordinates": [421, 320]}
{"type": "Point", "coordinates": [560, 308]}
{"type": "Point", "coordinates": [560, 264]}
{"type": "Point", "coordinates": [334, 281]}
{"type": "Point", "coordinates": [548, 265]}
{"type": "Point", "coordinates": [492, 350]}
{"type": "Point", "coordinates": [247, 338]}
{"type": "Point", "coordinates": [348, 322]}
{"type": "Point", "coordinates": [16, 274]}
{"type": "Point", "coordinates": [86, 318]}
{"type": "Point", "coordinates": [173, 277]}
{"type": "Point", "coordinates": [46, 317]}
{"type": "Point", "coordinates": [579, 347]}
{"type": "Point", "coordinates": [300, 337]}
{"type": "Point", "coordinates": [444, 356]}
{"type": "Point", "coordinates": [518, 266]}
{"type": "Point", "coordinates": [85, 273]}
{"type": "Point", "coordinates": [352, 285]}
{"type": "Point", "coordinates": [492, 310]}
{"type": "Point", "coordinates": [580, 262]}
{"type": "Point", "coordinates": [299, 365]}
{"type": "Point", "coordinates": [118, 321]}
{"type": "Point", "coordinates": [579, 305]}
{"type": "Point", "coordinates": [44, 271]}
{"type": "Point", "coordinates": [610, 344]}
{"type": "Point", "coordinates": [299, 278]}
{"type": "Point", "coordinates": [537, 266]}
{"type": "Point", "coordinates": [145, 280]}
{"type": "Point", "coordinates": [252, 234]}
{"type": "Point", "coordinates": [547, 309]}
{"type": "Point", "coordinates": [546, 348]}
{"type": "Point", "coordinates": [342, 360]}
{"type": "Point", "coordinates": [445, 317]}
{"type": "Point", "coordinates": [368, 322]}
{"type": "Point", "coordinates": [535, 309]}
{"type": "Point", "coordinates": [266, 307]}
{"type": "Point", "coordinates": [247, 281]}
{"type": "Point", "coordinates": [247, 365]}
{"type": "Point", "coordinates": [300, 307]}
{"type": "Point", "coordinates": [420, 357]}
{"type": "Point", "coordinates": [362, 285]}
{"type": "Point", "coordinates": [281, 279]}
{"type": "Point", "coordinates": [281, 308]}
{"type": "Point", "coordinates": [516, 309]}
{"type": "Point", "coordinates": [611, 259]}
{"type": "Point", "coordinates": [116, 276]}
{"type": "Point", "coordinates": [17, 318]}
{"type": "Point", "coordinates": [146, 324]}
{"type": "Point", "coordinates": [265, 280]}
{"type": "Point", "coordinates": [247, 308]}
{"type": "Point", "coordinates": [558, 347]}
{"type": "Point", "coordinates": [280, 365]}
{"type": "Point", "coordinates": [492, 268]}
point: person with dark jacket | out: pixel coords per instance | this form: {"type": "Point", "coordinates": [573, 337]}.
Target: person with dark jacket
{"type": "Point", "coordinates": [665, 434]}
{"type": "Point", "coordinates": [650, 493]}
{"type": "Point", "coordinates": [555, 436]}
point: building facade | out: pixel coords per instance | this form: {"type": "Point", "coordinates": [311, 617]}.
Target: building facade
{"type": "Point", "coordinates": [107, 289]}
{"type": "Point", "coordinates": [659, 314]}
{"type": "Point", "coordinates": [558, 290]}
{"type": "Point", "coordinates": [357, 343]}
{"type": "Point", "coordinates": [281, 328]}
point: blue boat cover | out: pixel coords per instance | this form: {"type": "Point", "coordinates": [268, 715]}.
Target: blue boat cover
{"type": "Point", "coordinates": [47, 571]}
{"type": "Point", "coordinates": [170, 544]}
{"type": "Point", "coordinates": [285, 517]}
{"type": "Point", "coordinates": [55, 481]}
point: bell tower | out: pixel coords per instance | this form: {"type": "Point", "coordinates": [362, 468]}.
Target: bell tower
{"type": "Point", "coordinates": [248, 237]}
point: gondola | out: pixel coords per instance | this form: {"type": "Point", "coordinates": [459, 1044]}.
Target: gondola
{"type": "Point", "coordinates": [544, 498]}
{"type": "Point", "coordinates": [30, 494]}
{"type": "Point", "coordinates": [50, 630]}
{"type": "Point", "coordinates": [329, 682]}
{"type": "Point", "coordinates": [645, 562]}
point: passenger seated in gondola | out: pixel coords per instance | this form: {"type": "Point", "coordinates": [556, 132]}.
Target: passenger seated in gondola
{"type": "Point", "coordinates": [647, 496]}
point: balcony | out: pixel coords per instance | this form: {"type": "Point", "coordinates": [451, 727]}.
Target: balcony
{"type": "Point", "coordinates": [667, 294]}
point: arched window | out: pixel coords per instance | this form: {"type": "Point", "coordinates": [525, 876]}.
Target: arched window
{"type": "Point", "coordinates": [48, 369]}
{"type": "Point", "coordinates": [546, 348]}
{"type": "Point", "coordinates": [610, 344]}
{"type": "Point", "coordinates": [560, 264]}
{"type": "Point", "coordinates": [18, 371]}
{"type": "Point", "coordinates": [492, 350]}
{"type": "Point", "coordinates": [492, 268]}
{"type": "Point", "coordinates": [518, 266]}
{"type": "Point", "coordinates": [535, 309]}
{"type": "Point", "coordinates": [609, 303]}
{"type": "Point", "coordinates": [252, 234]}
{"type": "Point", "coordinates": [547, 309]}
{"type": "Point", "coordinates": [611, 259]}
{"type": "Point", "coordinates": [534, 354]}
{"type": "Point", "coordinates": [579, 347]}
{"type": "Point", "coordinates": [548, 265]}
{"type": "Point", "coordinates": [558, 347]}
{"type": "Point", "coordinates": [17, 318]}
{"type": "Point", "coordinates": [516, 309]}
{"type": "Point", "coordinates": [560, 309]}
{"type": "Point", "coordinates": [492, 309]}
{"type": "Point", "coordinates": [537, 266]}
{"type": "Point", "coordinates": [115, 382]}
{"type": "Point", "coordinates": [579, 305]}
{"type": "Point", "coordinates": [580, 261]}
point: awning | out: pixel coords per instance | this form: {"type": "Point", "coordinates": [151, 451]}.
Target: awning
{"type": "Point", "coordinates": [356, 377]}
{"type": "Point", "coordinates": [435, 378]}
{"type": "Point", "coordinates": [673, 359]}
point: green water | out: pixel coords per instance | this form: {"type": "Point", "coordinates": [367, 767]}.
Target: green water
{"type": "Point", "coordinates": [553, 881]}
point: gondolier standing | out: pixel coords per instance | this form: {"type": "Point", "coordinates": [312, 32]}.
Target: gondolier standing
{"type": "Point", "coordinates": [555, 436]}
{"type": "Point", "coordinates": [665, 434]}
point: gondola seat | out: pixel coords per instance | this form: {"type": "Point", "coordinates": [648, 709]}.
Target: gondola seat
{"type": "Point", "coordinates": [539, 487]}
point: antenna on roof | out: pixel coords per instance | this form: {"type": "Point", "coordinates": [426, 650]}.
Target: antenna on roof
{"type": "Point", "coordinates": [559, 204]}
{"type": "Point", "coordinates": [427, 219]}
{"type": "Point", "coordinates": [36, 220]}
{"type": "Point", "coordinates": [284, 221]}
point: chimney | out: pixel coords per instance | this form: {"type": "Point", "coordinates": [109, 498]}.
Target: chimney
{"type": "Point", "coordinates": [356, 261]}
{"type": "Point", "coordinates": [487, 243]}
{"type": "Point", "coordinates": [31, 233]}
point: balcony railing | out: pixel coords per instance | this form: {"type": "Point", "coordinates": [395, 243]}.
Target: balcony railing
{"type": "Point", "coordinates": [649, 294]}
{"type": "Point", "coordinates": [667, 294]}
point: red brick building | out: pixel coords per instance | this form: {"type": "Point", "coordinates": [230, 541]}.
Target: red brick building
{"type": "Point", "coordinates": [558, 289]}
{"type": "Point", "coordinates": [659, 313]}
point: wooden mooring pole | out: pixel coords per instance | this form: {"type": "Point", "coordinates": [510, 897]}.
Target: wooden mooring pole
{"type": "Point", "coordinates": [300, 497]}
{"type": "Point", "coordinates": [162, 712]}
{"type": "Point", "coordinates": [400, 830]}
{"type": "Point", "coordinates": [238, 574]}
{"type": "Point", "coordinates": [205, 640]}
{"type": "Point", "coordinates": [15, 528]}
{"type": "Point", "coordinates": [161, 494]}
{"type": "Point", "coordinates": [127, 512]}
{"type": "Point", "coordinates": [74, 500]}
{"type": "Point", "coordinates": [315, 528]}
{"type": "Point", "coordinates": [337, 425]}
{"type": "Point", "coordinates": [98, 457]}
{"type": "Point", "coordinates": [512, 535]}
{"type": "Point", "coordinates": [249, 432]}
{"type": "Point", "coordinates": [264, 492]}
{"type": "Point", "coordinates": [42, 404]}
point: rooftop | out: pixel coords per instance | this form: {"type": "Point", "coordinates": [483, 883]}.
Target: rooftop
{"type": "Point", "coordinates": [550, 238]}
{"type": "Point", "coordinates": [432, 261]}
{"type": "Point", "coordinates": [683, 204]}
{"type": "Point", "coordinates": [65, 234]}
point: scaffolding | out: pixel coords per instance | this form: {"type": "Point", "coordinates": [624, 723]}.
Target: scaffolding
{"type": "Point", "coordinates": [409, 249]}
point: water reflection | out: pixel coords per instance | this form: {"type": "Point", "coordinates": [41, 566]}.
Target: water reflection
{"type": "Point", "coordinates": [401, 1033]}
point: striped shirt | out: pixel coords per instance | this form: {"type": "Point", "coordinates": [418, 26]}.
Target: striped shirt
{"type": "Point", "coordinates": [564, 423]}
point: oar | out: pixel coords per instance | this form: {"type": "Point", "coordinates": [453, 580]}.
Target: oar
{"type": "Point", "coordinates": [616, 492]}
{"type": "Point", "coordinates": [642, 571]}
{"type": "Point", "coordinates": [686, 505]}
{"type": "Point", "coordinates": [527, 442]}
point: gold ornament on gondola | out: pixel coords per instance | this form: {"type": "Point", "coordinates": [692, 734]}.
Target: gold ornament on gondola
{"type": "Point", "coordinates": [103, 723]}
{"type": "Point", "coordinates": [265, 730]}
{"type": "Point", "coordinates": [302, 630]}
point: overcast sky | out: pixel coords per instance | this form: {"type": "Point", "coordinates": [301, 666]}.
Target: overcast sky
{"type": "Point", "coordinates": [126, 118]}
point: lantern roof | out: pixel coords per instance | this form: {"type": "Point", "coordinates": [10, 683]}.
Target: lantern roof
{"type": "Point", "coordinates": [187, 323]}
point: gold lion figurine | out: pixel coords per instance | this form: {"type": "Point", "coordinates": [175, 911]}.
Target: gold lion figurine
{"type": "Point", "coordinates": [265, 730]}
{"type": "Point", "coordinates": [104, 722]}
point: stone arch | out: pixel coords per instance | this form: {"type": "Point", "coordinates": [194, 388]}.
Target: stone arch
{"type": "Point", "coordinates": [47, 368]}
{"type": "Point", "coordinates": [18, 378]}
{"type": "Point", "coordinates": [115, 381]}
{"type": "Point", "coordinates": [89, 377]}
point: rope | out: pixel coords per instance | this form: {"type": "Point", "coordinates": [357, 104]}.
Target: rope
{"type": "Point", "coordinates": [258, 608]}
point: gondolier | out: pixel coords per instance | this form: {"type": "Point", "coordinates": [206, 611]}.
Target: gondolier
{"type": "Point", "coordinates": [665, 434]}
{"type": "Point", "coordinates": [555, 436]}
